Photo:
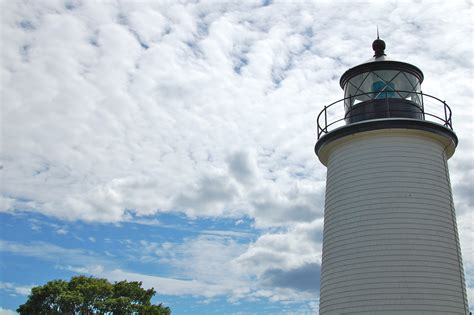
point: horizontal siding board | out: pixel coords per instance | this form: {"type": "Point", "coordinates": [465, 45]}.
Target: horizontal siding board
{"type": "Point", "coordinates": [393, 154]}
{"type": "Point", "coordinates": [391, 267]}
{"type": "Point", "coordinates": [383, 277]}
{"type": "Point", "coordinates": [387, 254]}
{"type": "Point", "coordinates": [397, 176]}
{"type": "Point", "coordinates": [376, 165]}
{"type": "Point", "coordinates": [410, 218]}
{"type": "Point", "coordinates": [389, 227]}
{"type": "Point", "coordinates": [378, 230]}
{"type": "Point", "coordinates": [395, 208]}
{"type": "Point", "coordinates": [388, 197]}
{"type": "Point", "coordinates": [401, 185]}
{"type": "Point", "coordinates": [407, 240]}
{"type": "Point", "coordinates": [442, 248]}
{"type": "Point", "coordinates": [383, 303]}
{"type": "Point", "coordinates": [448, 297]}
{"type": "Point", "coordinates": [431, 288]}
{"type": "Point", "coordinates": [380, 168]}
{"type": "Point", "coordinates": [385, 260]}
{"type": "Point", "coordinates": [376, 282]}
{"type": "Point", "coordinates": [422, 212]}
{"type": "Point", "coordinates": [375, 298]}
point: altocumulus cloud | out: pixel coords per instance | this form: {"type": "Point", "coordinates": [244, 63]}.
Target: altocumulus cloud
{"type": "Point", "coordinates": [117, 111]}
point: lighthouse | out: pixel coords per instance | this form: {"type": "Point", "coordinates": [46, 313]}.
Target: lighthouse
{"type": "Point", "coordinates": [390, 242]}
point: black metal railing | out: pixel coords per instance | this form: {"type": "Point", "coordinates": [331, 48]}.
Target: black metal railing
{"type": "Point", "coordinates": [334, 115]}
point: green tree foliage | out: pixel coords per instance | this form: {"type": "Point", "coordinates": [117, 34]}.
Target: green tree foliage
{"type": "Point", "coordinates": [87, 296]}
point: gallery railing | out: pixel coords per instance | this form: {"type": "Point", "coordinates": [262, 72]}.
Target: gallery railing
{"type": "Point", "coordinates": [384, 106]}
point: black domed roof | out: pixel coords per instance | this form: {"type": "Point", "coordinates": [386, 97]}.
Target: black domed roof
{"type": "Point", "coordinates": [380, 62]}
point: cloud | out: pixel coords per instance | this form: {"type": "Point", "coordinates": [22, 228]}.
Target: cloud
{"type": "Point", "coordinates": [274, 207]}
{"type": "Point", "coordinates": [304, 278]}
{"type": "Point", "coordinates": [112, 78]}
{"type": "Point", "coordinates": [168, 286]}
{"type": "Point", "coordinates": [15, 289]}
{"type": "Point", "coordinates": [90, 263]}
{"type": "Point", "coordinates": [6, 204]}
{"type": "Point", "coordinates": [205, 259]}
{"type": "Point", "coordinates": [209, 110]}
{"type": "Point", "coordinates": [209, 196]}
{"type": "Point", "coordinates": [4, 311]}
{"type": "Point", "coordinates": [229, 233]}
{"type": "Point", "coordinates": [242, 167]}
{"type": "Point", "coordinates": [287, 250]}
{"type": "Point", "coordinates": [61, 231]}
{"type": "Point", "coordinates": [53, 253]}
{"type": "Point", "coordinates": [208, 265]}
{"type": "Point", "coordinates": [219, 265]}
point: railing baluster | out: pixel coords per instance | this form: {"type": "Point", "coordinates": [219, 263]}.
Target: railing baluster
{"type": "Point", "coordinates": [422, 106]}
{"type": "Point", "coordinates": [325, 119]}
{"type": "Point", "coordinates": [445, 115]}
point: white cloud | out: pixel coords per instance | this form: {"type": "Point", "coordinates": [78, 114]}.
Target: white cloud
{"type": "Point", "coordinates": [15, 289]}
{"type": "Point", "coordinates": [284, 250]}
{"type": "Point", "coordinates": [61, 231]}
{"type": "Point", "coordinates": [4, 311]}
{"type": "Point", "coordinates": [53, 253]}
{"type": "Point", "coordinates": [180, 102]}
{"type": "Point", "coordinates": [168, 286]}
{"type": "Point", "coordinates": [243, 167]}
{"type": "Point", "coordinates": [213, 266]}
{"type": "Point", "coordinates": [229, 233]}
{"type": "Point", "coordinates": [209, 196]}
{"type": "Point", "coordinates": [208, 265]}
{"type": "Point", "coordinates": [83, 262]}
{"type": "Point", "coordinates": [6, 204]}
{"type": "Point", "coordinates": [121, 117]}
{"type": "Point", "coordinates": [207, 260]}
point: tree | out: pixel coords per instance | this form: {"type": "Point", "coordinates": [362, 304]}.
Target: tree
{"type": "Point", "coordinates": [89, 296]}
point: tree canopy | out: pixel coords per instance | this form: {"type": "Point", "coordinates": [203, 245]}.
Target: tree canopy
{"type": "Point", "coordinates": [87, 296]}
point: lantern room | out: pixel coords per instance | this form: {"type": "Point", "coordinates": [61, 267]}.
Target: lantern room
{"type": "Point", "coordinates": [382, 88]}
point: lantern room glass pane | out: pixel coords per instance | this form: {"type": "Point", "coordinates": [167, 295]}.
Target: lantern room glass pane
{"type": "Point", "coordinates": [381, 84]}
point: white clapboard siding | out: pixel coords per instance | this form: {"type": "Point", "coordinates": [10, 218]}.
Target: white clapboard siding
{"type": "Point", "coordinates": [390, 237]}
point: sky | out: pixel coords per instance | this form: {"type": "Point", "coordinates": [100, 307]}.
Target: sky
{"type": "Point", "coordinates": [171, 142]}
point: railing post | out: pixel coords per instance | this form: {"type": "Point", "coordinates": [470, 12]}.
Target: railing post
{"type": "Point", "coordinates": [422, 106]}
{"type": "Point", "coordinates": [325, 119]}
{"type": "Point", "coordinates": [450, 117]}
{"type": "Point", "coordinates": [446, 122]}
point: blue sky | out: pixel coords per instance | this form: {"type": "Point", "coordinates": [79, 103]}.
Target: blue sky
{"type": "Point", "coordinates": [171, 142]}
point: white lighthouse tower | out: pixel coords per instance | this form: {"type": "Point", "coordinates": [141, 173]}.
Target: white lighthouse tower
{"type": "Point", "coordinates": [390, 243]}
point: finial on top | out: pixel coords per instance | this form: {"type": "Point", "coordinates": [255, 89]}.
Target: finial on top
{"type": "Point", "coordinates": [378, 46]}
